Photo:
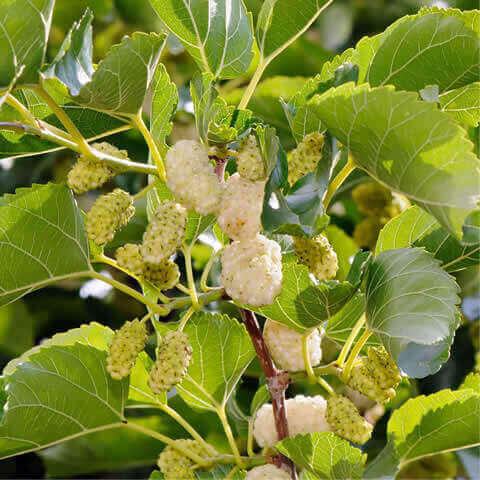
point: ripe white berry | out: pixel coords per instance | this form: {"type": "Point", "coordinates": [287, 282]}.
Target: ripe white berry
{"type": "Point", "coordinates": [252, 271]}
{"type": "Point", "coordinates": [164, 233]}
{"type": "Point", "coordinates": [241, 208]}
{"type": "Point", "coordinates": [267, 472]}
{"type": "Point", "coordinates": [191, 177]}
{"type": "Point", "coordinates": [286, 347]}
{"type": "Point", "coordinates": [318, 255]}
{"type": "Point", "coordinates": [304, 159]}
{"type": "Point", "coordinates": [249, 160]}
{"type": "Point", "coordinates": [304, 415]}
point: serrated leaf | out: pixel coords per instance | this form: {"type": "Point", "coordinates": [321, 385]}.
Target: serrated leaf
{"type": "Point", "coordinates": [324, 454]}
{"type": "Point", "coordinates": [43, 212]}
{"type": "Point", "coordinates": [58, 394]}
{"type": "Point", "coordinates": [164, 105]}
{"type": "Point", "coordinates": [415, 227]}
{"type": "Point", "coordinates": [25, 26]}
{"type": "Point", "coordinates": [279, 25]}
{"type": "Point", "coordinates": [121, 81]}
{"type": "Point", "coordinates": [463, 104]}
{"type": "Point", "coordinates": [414, 148]}
{"type": "Point", "coordinates": [472, 381]}
{"type": "Point", "coordinates": [302, 305]}
{"type": "Point", "coordinates": [218, 35]}
{"type": "Point", "coordinates": [222, 350]}
{"type": "Point", "coordinates": [411, 304]}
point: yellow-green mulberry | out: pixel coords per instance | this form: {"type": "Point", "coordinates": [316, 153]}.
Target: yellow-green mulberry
{"type": "Point", "coordinates": [363, 381]}
{"type": "Point", "coordinates": [249, 160]}
{"type": "Point", "coordinates": [304, 159]}
{"type": "Point", "coordinates": [174, 354]}
{"type": "Point", "coordinates": [88, 173]}
{"type": "Point", "coordinates": [343, 417]}
{"type": "Point", "coordinates": [383, 368]}
{"type": "Point", "coordinates": [127, 343]}
{"type": "Point", "coordinates": [175, 465]}
{"type": "Point", "coordinates": [130, 258]}
{"type": "Point", "coordinates": [366, 232]}
{"type": "Point", "coordinates": [163, 275]}
{"type": "Point", "coordinates": [109, 213]}
{"type": "Point", "coordinates": [318, 255]}
{"type": "Point", "coordinates": [164, 233]}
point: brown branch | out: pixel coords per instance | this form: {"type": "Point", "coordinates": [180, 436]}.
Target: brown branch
{"type": "Point", "coordinates": [220, 164]}
{"type": "Point", "coordinates": [277, 383]}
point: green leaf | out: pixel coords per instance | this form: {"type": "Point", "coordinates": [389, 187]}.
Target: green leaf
{"type": "Point", "coordinates": [25, 26]}
{"type": "Point", "coordinates": [16, 328]}
{"type": "Point", "coordinates": [410, 150]}
{"type": "Point", "coordinates": [59, 393]}
{"type": "Point", "coordinates": [472, 381]}
{"type": "Point", "coordinates": [415, 227]}
{"type": "Point", "coordinates": [412, 307]}
{"type": "Point", "coordinates": [164, 105]}
{"type": "Point", "coordinates": [279, 25]}
{"type": "Point", "coordinates": [222, 350]}
{"type": "Point", "coordinates": [302, 305]}
{"type": "Point", "coordinates": [463, 104]}
{"type": "Point", "coordinates": [43, 212]}
{"type": "Point", "coordinates": [220, 473]}
{"type": "Point", "coordinates": [324, 454]}
{"type": "Point", "coordinates": [219, 36]}
{"type": "Point", "coordinates": [344, 247]}
{"type": "Point", "coordinates": [121, 81]}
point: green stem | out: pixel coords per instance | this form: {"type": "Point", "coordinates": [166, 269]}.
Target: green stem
{"type": "Point", "coordinates": [231, 440]}
{"type": "Point", "coordinates": [187, 253]}
{"type": "Point", "coordinates": [351, 338]}
{"type": "Point", "coordinates": [250, 451]}
{"type": "Point", "coordinates": [330, 369]}
{"type": "Point", "coordinates": [186, 318]}
{"type": "Point", "coordinates": [353, 356]}
{"type": "Point", "coordinates": [21, 109]}
{"type": "Point", "coordinates": [145, 190]}
{"type": "Point", "coordinates": [206, 271]}
{"type": "Point", "coordinates": [312, 377]}
{"type": "Point", "coordinates": [249, 91]}
{"type": "Point", "coordinates": [338, 180]}
{"type": "Point", "coordinates": [161, 310]}
{"type": "Point", "coordinates": [182, 288]}
{"type": "Point", "coordinates": [140, 124]}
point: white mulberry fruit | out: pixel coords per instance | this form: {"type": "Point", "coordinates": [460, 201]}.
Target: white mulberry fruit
{"type": "Point", "coordinates": [175, 465]}
{"type": "Point", "coordinates": [241, 208]}
{"type": "Point", "coordinates": [164, 233]}
{"type": "Point", "coordinates": [318, 255]}
{"type": "Point", "coordinates": [304, 159]}
{"type": "Point", "coordinates": [130, 258]}
{"type": "Point", "coordinates": [191, 177]}
{"type": "Point", "coordinates": [127, 343]}
{"type": "Point", "coordinates": [249, 160]}
{"type": "Point", "coordinates": [286, 347]}
{"type": "Point", "coordinates": [267, 472]}
{"type": "Point", "coordinates": [346, 421]}
{"type": "Point", "coordinates": [109, 213]}
{"type": "Point", "coordinates": [252, 271]}
{"type": "Point", "coordinates": [174, 354]}
{"type": "Point", "coordinates": [163, 275]}
{"type": "Point", "coordinates": [304, 415]}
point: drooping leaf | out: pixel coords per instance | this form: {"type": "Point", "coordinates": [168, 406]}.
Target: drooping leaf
{"type": "Point", "coordinates": [43, 212]}
{"type": "Point", "coordinates": [121, 81]}
{"type": "Point", "coordinates": [324, 454]}
{"type": "Point", "coordinates": [415, 227]}
{"type": "Point", "coordinates": [411, 306]}
{"type": "Point", "coordinates": [218, 35]}
{"type": "Point", "coordinates": [222, 350]}
{"type": "Point", "coordinates": [414, 148]}
{"type": "Point", "coordinates": [25, 26]}
{"type": "Point", "coordinates": [463, 104]}
{"type": "Point", "coordinates": [61, 392]}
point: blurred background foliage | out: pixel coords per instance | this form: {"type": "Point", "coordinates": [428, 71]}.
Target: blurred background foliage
{"type": "Point", "coordinates": [71, 304]}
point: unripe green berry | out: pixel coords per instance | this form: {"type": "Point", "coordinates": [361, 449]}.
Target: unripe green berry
{"type": "Point", "coordinates": [175, 465]}
{"type": "Point", "coordinates": [174, 354]}
{"type": "Point", "coordinates": [130, 258]}
{"type": "Point", "coordinates": [343, 417]}
{"type": "Point", "coordinates": [383, 368]}
{"type": "Point", "coordinates": [318, 255]}
{"type": "Point", "coordinates": [372, 199]}
{"type": "Point", "coordinates": [89, 173]}
{"type": "Point", "coordinates": [249, 160]}
{"type": "Point", "coordinates": [164, 233]}
{"type": "Point", "coordinates": [363, 381]}
{"type": "Point", "coordinates": [366, 232]}
{"type": "Point", "coordinates": [109, 213]}
{"type": "Point", "coordinates": [127, 343]}
{"type": "Point", "coordinates": [163, 275]}
{"type": "Point", "coordinates": [304, 159]}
